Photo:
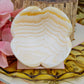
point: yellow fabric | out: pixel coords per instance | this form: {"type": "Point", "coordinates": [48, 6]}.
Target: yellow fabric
{"type": "Point", "coordinates": [80, 12]}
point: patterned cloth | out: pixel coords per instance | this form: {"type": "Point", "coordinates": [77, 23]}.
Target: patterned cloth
{"type": "Point", "coordinates": [80, 12]}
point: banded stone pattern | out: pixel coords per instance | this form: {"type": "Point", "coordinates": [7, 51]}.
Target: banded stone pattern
{"type": "Point", "coordinates": [74, 67]}
{"type": "Point", "coordinates": [67, 6]}
{"type": "Point", "coordinates": [40, 35]}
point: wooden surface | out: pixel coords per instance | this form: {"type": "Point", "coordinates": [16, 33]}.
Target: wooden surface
{"type": "Point", "coordinates": [68, 6]}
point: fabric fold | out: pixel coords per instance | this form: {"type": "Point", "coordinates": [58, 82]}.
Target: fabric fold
{"type": "Point", "coordinates": [3, 60]}
{"type": "Point", "coordinates": [5, 48]}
